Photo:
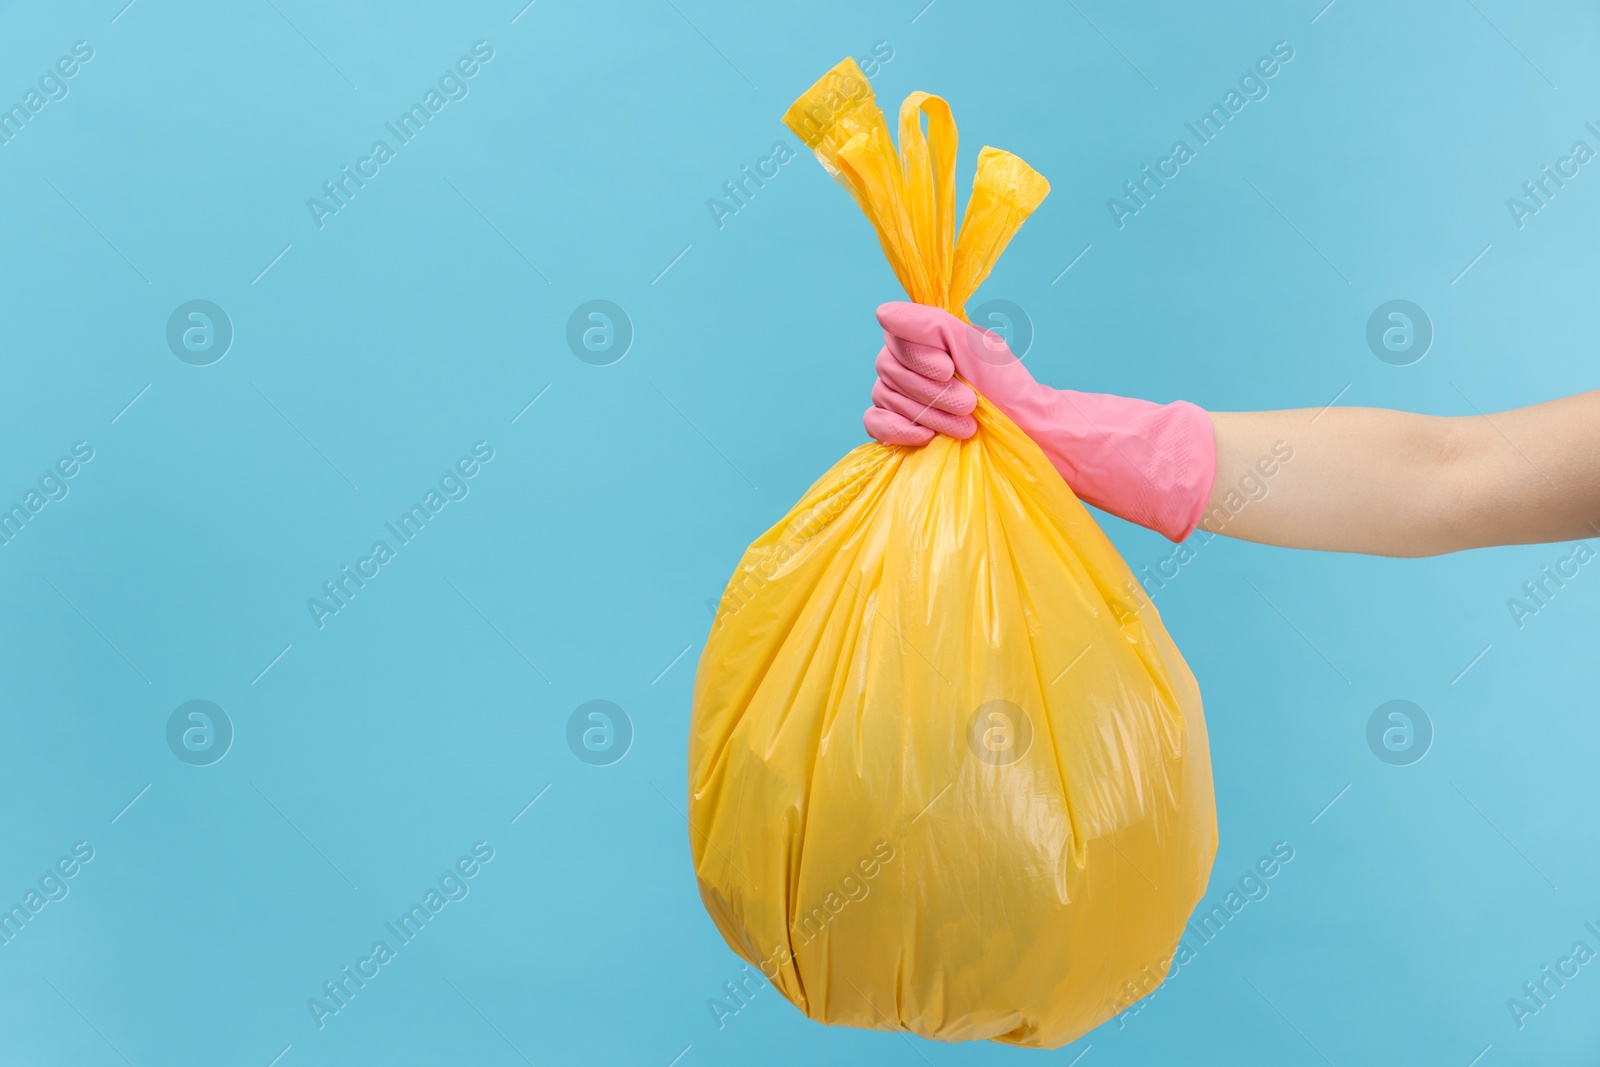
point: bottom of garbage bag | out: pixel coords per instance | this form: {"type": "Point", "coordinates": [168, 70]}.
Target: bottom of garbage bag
{"type": "Point", "coordinates": [1022, 1029]}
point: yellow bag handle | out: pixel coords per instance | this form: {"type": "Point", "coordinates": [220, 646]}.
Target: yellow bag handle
{"type": "Point", "coordinates": [931, 182]}
{"type": "Point", "coordinates": [909, 195]}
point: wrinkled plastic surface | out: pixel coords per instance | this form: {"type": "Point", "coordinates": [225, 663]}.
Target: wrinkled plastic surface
{"type": "Point", "coordinates": [947, 771]}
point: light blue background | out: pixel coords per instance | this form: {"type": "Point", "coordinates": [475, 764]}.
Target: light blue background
{"type": "Point", "coordinates": [424, 718]}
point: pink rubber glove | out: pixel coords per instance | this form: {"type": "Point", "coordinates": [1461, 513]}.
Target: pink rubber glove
{"type": "Point", "coordinates": [1152, 464]}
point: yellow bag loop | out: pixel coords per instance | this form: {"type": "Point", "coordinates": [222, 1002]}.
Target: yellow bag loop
{"type": "Point", "coordinates": [931, 187]}
{"type": "Point", "coordinates": [1003, 196]}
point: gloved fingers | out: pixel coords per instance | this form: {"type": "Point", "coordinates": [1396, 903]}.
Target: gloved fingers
{"type": "Point", "coordinates": [918, 331]}
{"type": "Point", "coordinates": [920, 323]}
{"type": "Point", "coordinates": [960, 427]}
{"type": "Point", "coordinates": [893, 429]}
{"type": "Point", "coordinates": [926, 360]}
{"type": "Point", "coordinates": [955, 397]}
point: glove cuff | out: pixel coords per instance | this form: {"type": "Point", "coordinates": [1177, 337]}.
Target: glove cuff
{"type": "Point", "coordinates": [1152, 464]}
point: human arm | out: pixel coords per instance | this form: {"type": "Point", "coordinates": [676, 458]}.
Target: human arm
{"type": "Point", "coordinates": [1391, 483]}
{"type": "Point", "coordinates": [1340, 479]}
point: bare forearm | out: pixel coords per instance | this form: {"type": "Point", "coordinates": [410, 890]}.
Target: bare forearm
{"type": "Point", "coordinates": [1397, 484]}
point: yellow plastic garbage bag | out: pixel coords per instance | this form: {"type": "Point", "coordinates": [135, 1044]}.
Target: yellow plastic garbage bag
{"type": "Point", "coordinates": [947, 771]}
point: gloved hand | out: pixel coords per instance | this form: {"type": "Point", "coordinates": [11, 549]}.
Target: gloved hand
{"type": "Point", "coordinates": [1152, 464]}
